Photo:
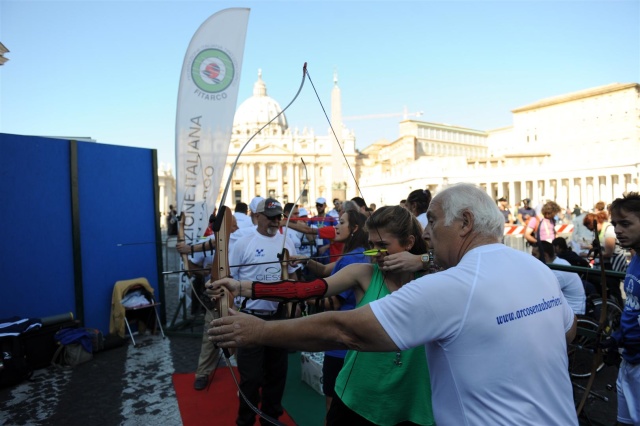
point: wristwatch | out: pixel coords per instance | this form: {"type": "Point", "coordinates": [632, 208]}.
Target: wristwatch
{"type": "Point", "coordinates": [426, 261]}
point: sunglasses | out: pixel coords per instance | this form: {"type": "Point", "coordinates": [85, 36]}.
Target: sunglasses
{"type": "Point", "coordinates": [274, 217]}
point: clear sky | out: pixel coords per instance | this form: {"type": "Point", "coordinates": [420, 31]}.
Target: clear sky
{"type": "Point", "coordinates": [110, 69]}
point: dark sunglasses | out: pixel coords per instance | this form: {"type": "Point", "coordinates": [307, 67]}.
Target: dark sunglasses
{"type": "Point", "coordinates": [274, 217]}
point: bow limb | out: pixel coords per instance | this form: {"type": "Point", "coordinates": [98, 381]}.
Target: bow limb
{"type": "Point", "coordinates": [223, 208]}
{"type": "Point", "coordinates": [224, 214]}
{"type": "Point", "coordinates": [602, 323]}
{"type": "Point", "coordinates": [220, 266]}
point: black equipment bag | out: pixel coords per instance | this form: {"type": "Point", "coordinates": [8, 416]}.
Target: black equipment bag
{"type": "Point", "coordinates": [13, 362]}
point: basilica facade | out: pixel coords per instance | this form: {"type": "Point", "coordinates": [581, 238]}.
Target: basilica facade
{"type": "Point", "coordinates": [271, 166]}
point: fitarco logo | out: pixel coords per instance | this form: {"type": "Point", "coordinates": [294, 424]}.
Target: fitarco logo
{"type": "Point", "coordinates": [212, 70]}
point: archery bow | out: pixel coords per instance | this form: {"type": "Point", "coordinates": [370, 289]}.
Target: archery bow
{"type": "Point", "coordinates": [223, 219]}
{"type": "Point", "coordinates": [220, 264]}
{"type": "Point", "coordinates": [597, 360]}
{"type": "Point", "coordinates": [222, 229]}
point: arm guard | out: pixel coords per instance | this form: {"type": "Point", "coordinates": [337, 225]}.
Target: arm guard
{"type": "Point", "coordinates": [328, 232]}
{"type": "Point", "coordinates": [288, 290]}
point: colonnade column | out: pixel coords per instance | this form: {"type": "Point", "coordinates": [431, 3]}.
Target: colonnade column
{"type": "Point", "coordinates": [291, 192]}
{"type": "Point", "coordinates": [563, 192]}
{"type": "Point", "coordinates": [246, 195]}
{"type": "Point", "coordinates": [295, 185]}
{"type": "Point", "coordinates": [279, 182]}
{"type": "Point", "coordinates": [512, 194]}
{"type": "Point", "coordinates": [313, 182]}
{"type": "Point", "coordinates": [523, 190]}
{"type": "Point", "coordinates": [584, 202]}
{"type": "Point", "coordinates": [251, 171]}
{"type": "Point", "coordinates": [264, 187]}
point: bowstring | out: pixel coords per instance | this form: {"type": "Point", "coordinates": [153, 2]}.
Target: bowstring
{"type": "Point", "coordinates": [384, 277]}
{"type": "Point", "coordinates": [263, 263]}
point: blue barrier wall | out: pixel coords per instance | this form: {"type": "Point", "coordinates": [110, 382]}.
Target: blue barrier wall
{"type": "Point", "coordinates": [39, 269]}
{"type": "Point", "coordinates": [36, 265]}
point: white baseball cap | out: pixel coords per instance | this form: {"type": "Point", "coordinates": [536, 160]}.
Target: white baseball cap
{"type": "Point", "coordinates": [253, 206]}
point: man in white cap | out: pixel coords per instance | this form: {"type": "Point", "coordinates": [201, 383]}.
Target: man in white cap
{"type": "Point", "coordinates": [263, 369]}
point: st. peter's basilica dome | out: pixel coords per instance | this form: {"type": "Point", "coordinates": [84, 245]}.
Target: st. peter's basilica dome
{"type": "Point", "coordinates": [258, 110]}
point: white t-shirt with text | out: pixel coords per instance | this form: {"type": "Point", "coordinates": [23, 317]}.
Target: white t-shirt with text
{"type": "Point", "coordinates": [258, 256]}
{"type": "Point", "coordinates": [496, 350]}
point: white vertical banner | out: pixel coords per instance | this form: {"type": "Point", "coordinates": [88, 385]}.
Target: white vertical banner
{"type": "Point", "coordinates": [207, 99]}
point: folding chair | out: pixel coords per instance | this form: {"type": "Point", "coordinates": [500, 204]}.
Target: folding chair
{"type": "Point", "coordinates": [120, 314]}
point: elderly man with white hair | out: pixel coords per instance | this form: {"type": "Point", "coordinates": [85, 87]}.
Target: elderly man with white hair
{"type": "Point", "coordinates": [496, 348]}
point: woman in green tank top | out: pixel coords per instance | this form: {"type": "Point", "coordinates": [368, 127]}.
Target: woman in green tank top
{"type": "Point", "coordinates": [383, 388]}
{"type": "Point", "coordinates": [377, 388]}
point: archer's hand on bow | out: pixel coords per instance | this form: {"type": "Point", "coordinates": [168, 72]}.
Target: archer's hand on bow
{"type": "Point", "coordinates": [403, 260]}
{"type": "Point", "coordinates": [183, 248]}
{"type": "Point", "coordinates": [296, 260]}
{"type": "Point", "coordinates": [236, 330]}
{"type": "Point", "coordinates": [215, 289]}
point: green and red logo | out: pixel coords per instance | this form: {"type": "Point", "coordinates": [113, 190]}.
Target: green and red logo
{"type": "Point", "coordinates": [212, 70]}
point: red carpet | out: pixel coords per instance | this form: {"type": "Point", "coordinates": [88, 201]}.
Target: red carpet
{"type": "Point", "coordinates": [216, 406]}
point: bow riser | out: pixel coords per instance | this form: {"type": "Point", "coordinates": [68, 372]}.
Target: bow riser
{"type": "Point", "coordinates": [220, 267]}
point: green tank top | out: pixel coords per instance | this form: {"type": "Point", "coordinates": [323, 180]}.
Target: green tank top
{"type": "Point", "coordinates": [374, 386]}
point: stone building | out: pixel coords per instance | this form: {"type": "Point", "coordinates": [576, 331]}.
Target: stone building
{"type": "Point", "coordinates": [166, 191]}
{"type": "Point", "coordinates": [576, 148]}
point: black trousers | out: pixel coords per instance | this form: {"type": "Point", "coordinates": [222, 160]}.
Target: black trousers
{"type": "Point", "coordinates": [263, 375]}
